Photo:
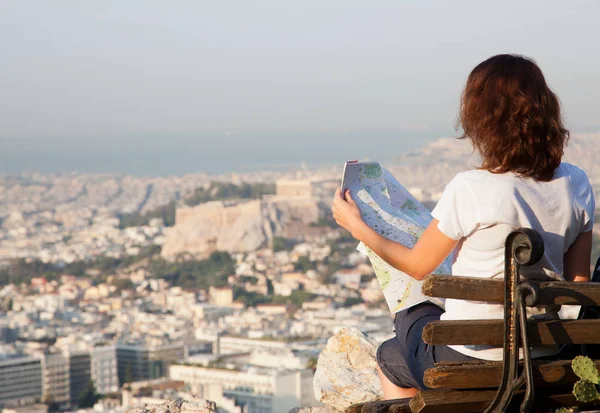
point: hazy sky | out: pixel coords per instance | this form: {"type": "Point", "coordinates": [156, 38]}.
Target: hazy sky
{"type": "Point", "coordinates": [204, 78]}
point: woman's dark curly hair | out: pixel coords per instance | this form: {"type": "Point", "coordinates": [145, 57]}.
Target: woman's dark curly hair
{"type": "Point", "coordinates": [512, 118]}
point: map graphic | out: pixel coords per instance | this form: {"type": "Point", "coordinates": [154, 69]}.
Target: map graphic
{"type": "Point", "coordinates": [388, 208]}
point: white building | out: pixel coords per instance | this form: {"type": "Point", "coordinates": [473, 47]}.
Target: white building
{"type": "Point", "coordinates": [56, 383]}
{"type": "Point", "coordinates": [210, 312]}
{"type": "Point", "coordinates": [20, 381]}
{"type": "Point", "coordinates": [104, 369]}
{"type": "Point", "coordinates": [261, 390]}
{"type": "Point", "coordinates": [286, 359]}
{"type": "Point", "coordinates": [113, 366]}
{"type": "Point", "coordinates": [232, 345]}
{"type": "Point", "coordinates": [79, 371]}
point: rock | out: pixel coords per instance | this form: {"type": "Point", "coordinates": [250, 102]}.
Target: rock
{"type": "Point", "coordinates": [346, 371]}
{"type": "Point", "coordinates": [324, 409]}
{"type": "Point", "coordinates": [179, 406]}
{"type": "Point", "coordinates": [237, 226]}
{"type": "Point", "coordinates": [215, 226]}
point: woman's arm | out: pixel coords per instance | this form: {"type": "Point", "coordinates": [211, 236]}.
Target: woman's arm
{"type": "Point", "coordinates": [576, 262]}
{"type": "Point", "coordinates": [429, 252]}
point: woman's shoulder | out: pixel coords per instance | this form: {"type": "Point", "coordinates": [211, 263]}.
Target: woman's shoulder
{"type": "Point", "coordinates": [478, 177]}
{"type": "Point", "coordinates": [477, 185]}
{"type": "Point", "coordinates": [578, 184]}
{"type": "Point", "coordinates": [574, 173]}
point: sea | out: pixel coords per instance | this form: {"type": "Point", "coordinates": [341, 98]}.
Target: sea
{"type": "Point", "coordinates": [164, 156]}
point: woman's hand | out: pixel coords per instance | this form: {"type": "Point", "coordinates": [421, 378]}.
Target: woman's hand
{"type": "Point", "coordinates": [346, 212]}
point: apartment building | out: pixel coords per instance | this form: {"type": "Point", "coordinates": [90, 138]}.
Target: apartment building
{"type": "Point", "coordinates": [261, 390]}
{"type": "Point", "coordinates": [56, 383]}
{"type": "Point", "coordinates": [20, 381]}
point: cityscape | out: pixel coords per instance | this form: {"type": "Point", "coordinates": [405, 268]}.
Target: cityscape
{"type": "Point", "coordinates": [167, 177]}
{"type": "Point", "coordinates": [118, 291]}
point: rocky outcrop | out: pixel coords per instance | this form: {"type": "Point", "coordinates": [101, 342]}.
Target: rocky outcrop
{"type": "Point", "coordinates": [346, 375]}
{"type": "Point", "coordinates": [179, 406]}
{"type": "Point", "coordinates": [214, 226]}
{"type": "Point", "coordinates": [323, 409]}
{"type": "Point", "coordinates": [346, 371]}
{"type": "Point", "coordinates": [236, 226]}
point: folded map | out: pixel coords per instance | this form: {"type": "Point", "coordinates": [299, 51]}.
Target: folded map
{"type": "Point", "coordinates": [388, 208]}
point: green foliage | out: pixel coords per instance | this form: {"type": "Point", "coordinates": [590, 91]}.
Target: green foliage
{"type": "Point", "coordinates": [344, 238]}
{"type": "Point", "coordinates": [585, 390]}
{"type": "Point", "coordinates": [304, 264]}
{"type": "Point", "coordinates": [135, 219]}
{"type": "Point", "coordinates": [123, 284]}
{"type": "Point", "coordinates": [350, 301]}
{"type": "Point", "coordinates": [328, 270]}
{"type": "Point", "coordinates": [568, 410]}
{"type": "Point", "coordinates": [312, 363]}
{"type": "Point", "coordinates": [223, 191]}
{"type": "Point", "coordinates": [252, 299]}
{"type": "Point", "coordinates": [88, 396]}
{"type": "Point", "coordinates": [585, 369]}
{"type": "Point", "coordinates": [326, 221]}
{"type": "Point", "coordinates": [249, 298]}
{"type": "Point", "coordinates": [195, 274]}
{"type": "Point", "coordinates": [186, 273]}
{"type": "Point", "coordinates": [297, 298]}
{"type": "Point", "coordinates": [128, 373]}
{"type": "Point", "coordinates": [344, 245]}
{"type": "Point", "coordinates": [365, 278]}
{"type": "Point", "coordinates": [279, 244]}
{"type": "Point", "coordinates": [52, 405]}
{"type": "Point", "coordinates": [215, 192]}
{"type": "Point", "coordinates": [247, 279]}
{"type": "Point", "coordinates": [22, 271]}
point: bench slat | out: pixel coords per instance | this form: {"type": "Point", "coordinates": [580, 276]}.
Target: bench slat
{"type": "Point", "coordinates": [381, 406]}
{"type": "Point", "coordinates": [486, 289]}
{"type": "Point", "coordinates": [470, 401]}
{"type": "Point", "coordinates": [490, 332]}
{"type": "Point", "coordinates": [479, 375]}
{"type": "Point", "coordinates": [443, 401]}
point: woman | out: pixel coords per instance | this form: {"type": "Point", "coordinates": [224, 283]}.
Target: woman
{"type": "Point", "coordinates": [513, 120]}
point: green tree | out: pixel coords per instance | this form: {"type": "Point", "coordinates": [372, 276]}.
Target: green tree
{"type": "Point", "coordinates": [304, 264]}
{"type": "Point", "coordinates": [248, 279]}
{"type": "Point", "coordinates": [194, 274]}
{"type": "Point", "coordinates": [220, 191]}
{"type": "Point", "coordinates": [136, 219]}
{"type": "Point", "coordinates": [328, 271]}
{"type": "Point", "coordinates": [326, 221]}
{"type": "Point", "coordinates": [350, 301]}
{"type": "Point", "coordinates": [52, 405]}
{"type": "Point", "coordinates": [279, 244]}
{"type": "Point", "coordinates": [249, 298]}
{"type": "Point", "coordinates": [297, 298]}
{"type": "Point", "coordinates": [123, 284]}
{"type": "Point", "coordinates": [88, 396]}
{"type": "Point", "coordinates": [128, 373]}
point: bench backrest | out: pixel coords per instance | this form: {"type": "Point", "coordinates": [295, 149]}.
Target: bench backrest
{"type": "Point", "coordinates": [523, 247]}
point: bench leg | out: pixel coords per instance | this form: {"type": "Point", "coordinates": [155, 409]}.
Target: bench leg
{"type": "Point", "coordinates": [523, 247]}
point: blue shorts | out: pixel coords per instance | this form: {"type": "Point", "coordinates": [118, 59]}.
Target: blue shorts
{"type": "Point", "coordinates": [404, 358]}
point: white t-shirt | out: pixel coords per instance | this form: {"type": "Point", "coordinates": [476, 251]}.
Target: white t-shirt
{"type": "Point", "coordinates": [480, 209]}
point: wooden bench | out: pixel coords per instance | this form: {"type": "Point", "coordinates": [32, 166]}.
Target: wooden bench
{"type": "Point", "coordinates": [509, 385]}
